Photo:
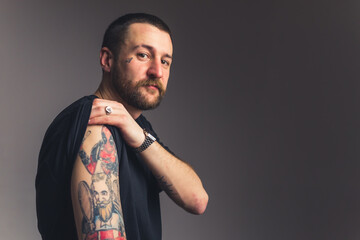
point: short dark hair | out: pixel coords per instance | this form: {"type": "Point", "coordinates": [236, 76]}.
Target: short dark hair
{"type": "Point", "coordinates": [116, 32]}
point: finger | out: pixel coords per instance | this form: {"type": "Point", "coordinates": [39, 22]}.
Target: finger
{"type": "Point", "coordinates": [101, 120]}
{"type": "Point", "coordinates": [101, 110]}
{"type": "Point", "coordinates": [97, 111]}
{"type": "Point", "coordinates": [104, 102]}
{"type": "Point", "coordinates": [114, 120]}
{"type": "Point", "coordinates": [101, 103]}
{"type": "Point", "coordinates": [116, 114]}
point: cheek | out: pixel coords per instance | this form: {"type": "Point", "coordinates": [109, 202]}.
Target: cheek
{"type": "Point", "coordinates": [166, 79]}
{"type": "Point", "coordinates": [124, 71]}
{"type": "Point", "coordinates": [134, 72]}
{"type": "Point", "coordinates": [165, 84]}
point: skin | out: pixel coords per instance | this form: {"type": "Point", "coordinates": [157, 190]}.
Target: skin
{"type": "Point", "coordinates": [150, 50]}
{"type": "Point", "coordinates": [101, 192]}
{"type": "Point", "coordinates": [129, 60]}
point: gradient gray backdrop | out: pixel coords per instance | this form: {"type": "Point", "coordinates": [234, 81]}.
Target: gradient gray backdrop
{"type": "Point", "coordinates": [262, 101]}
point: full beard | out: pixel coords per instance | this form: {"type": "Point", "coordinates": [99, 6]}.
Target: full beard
{"type": "Point", "coordinates": [133, 96]}
{"type": "Point", "coordinates": [105, 211]}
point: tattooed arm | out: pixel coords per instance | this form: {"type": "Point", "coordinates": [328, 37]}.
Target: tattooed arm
{"type": "Point", "coordinates": [95, 187]}
{"type": "Point", "coordinates": [176, 177]}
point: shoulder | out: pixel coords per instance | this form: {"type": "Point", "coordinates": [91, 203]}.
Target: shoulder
{"type": "Point", "coordinates": [73, 114]}
{"type": "Point", "coordinates": [64, 135]}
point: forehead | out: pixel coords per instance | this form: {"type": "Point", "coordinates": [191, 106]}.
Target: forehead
{"type": "Point", "coordinates": [100, 185]}
{"type": "Point", "coordinates": [147, 34]}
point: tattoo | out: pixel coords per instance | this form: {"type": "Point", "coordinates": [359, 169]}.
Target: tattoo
{"type": "Point", "coordinates": [100, 197]}
{"type": "Point", "coordinates": [128, 60]}
{"type": "Point", "coordinates": [166, 186]}
{"type": "Point", "coordinates": [105, 150]}
{"type": "Point", "coordinates": [86, 135]}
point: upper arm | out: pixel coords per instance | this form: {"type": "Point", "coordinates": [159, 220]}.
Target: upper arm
{"type": "Point", "coordinates": [95, 189]}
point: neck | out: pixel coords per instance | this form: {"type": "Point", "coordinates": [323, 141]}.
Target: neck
{"type": "Point", "coordinates": [107, 92]}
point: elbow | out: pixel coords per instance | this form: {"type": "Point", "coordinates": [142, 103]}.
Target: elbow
{"type": "Point", "coordinates": [199, 205]}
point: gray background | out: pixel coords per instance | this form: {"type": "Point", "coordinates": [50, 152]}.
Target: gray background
{"type": "Point", "coordinates": [262, 101]}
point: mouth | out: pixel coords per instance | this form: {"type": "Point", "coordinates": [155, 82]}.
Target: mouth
{"type": "Point", "coordinates": [153, 87]}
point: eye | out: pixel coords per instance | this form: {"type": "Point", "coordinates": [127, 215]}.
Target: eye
{"type": "Point", "coordinates": [143, 55]}
{"type": "Point", "coordinates": [167, 63]}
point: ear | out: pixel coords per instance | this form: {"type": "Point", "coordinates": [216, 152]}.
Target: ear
{"type": "Point", "coordinates": [106, 59]}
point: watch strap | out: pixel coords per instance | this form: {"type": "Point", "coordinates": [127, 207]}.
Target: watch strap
{"type": "Point", "coordinates": [149, 139]}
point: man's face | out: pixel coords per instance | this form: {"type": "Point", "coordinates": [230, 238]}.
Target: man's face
{"type": "Point", "coordinates": [101, 193]}
{"type": "Point", "coordinates": [141, 72]}
{"type": "Point", "coordinates": [103, 200]}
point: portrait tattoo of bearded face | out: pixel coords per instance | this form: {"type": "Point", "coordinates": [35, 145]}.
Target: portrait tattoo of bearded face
{"type": "Point", "coordinates": [101, 188]}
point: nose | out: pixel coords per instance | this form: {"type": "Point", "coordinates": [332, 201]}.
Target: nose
{"type": "Point", "coordinates": [155, 70]}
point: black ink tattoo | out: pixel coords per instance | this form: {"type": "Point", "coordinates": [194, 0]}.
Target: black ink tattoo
{"type": "Point", "coordinates": [86, 135]}
{"type": "Point", "coordinates": [90, 162]}
{"type": "Point", "coordinates": [128, 60]}
{"type": "Point", "coordinates": [166, 186]}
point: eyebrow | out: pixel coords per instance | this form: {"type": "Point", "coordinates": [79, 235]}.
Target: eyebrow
{"type": "Point", "coordinates": [150, 48]}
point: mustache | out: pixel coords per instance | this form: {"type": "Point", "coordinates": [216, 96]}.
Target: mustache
{"type": "Point", "coordinates": [103, 203]}
{"type": "Point", "coordinates": [153, 82]}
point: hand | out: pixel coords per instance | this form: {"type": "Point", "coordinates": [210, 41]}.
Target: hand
{"type": "Point", "coordinates": [120, 118]}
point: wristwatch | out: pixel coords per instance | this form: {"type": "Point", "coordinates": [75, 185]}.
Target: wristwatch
{"type": "Point", "coordinates": [149, 139]}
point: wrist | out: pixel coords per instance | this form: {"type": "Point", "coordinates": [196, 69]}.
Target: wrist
{"type": "Point", "coordinates": [141, 138]}
{"type": "Point", "coordinates": [148, 140]}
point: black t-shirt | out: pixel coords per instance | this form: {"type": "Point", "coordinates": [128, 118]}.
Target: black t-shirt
{"type": "Point", "coordinates": [139, 190]}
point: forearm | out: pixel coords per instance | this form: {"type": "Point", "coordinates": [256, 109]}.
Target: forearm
{"type": "Point", "coordinates": [176, 178]}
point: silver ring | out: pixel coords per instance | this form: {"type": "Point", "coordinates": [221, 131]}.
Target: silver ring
{"type": "Point", "coordinates": [108, 110]}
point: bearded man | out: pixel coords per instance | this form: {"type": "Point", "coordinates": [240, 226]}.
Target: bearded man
{"type": "Point", "coordinates": [135, 58]}
{"type": "Point", "coordinates": [107, 215]}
